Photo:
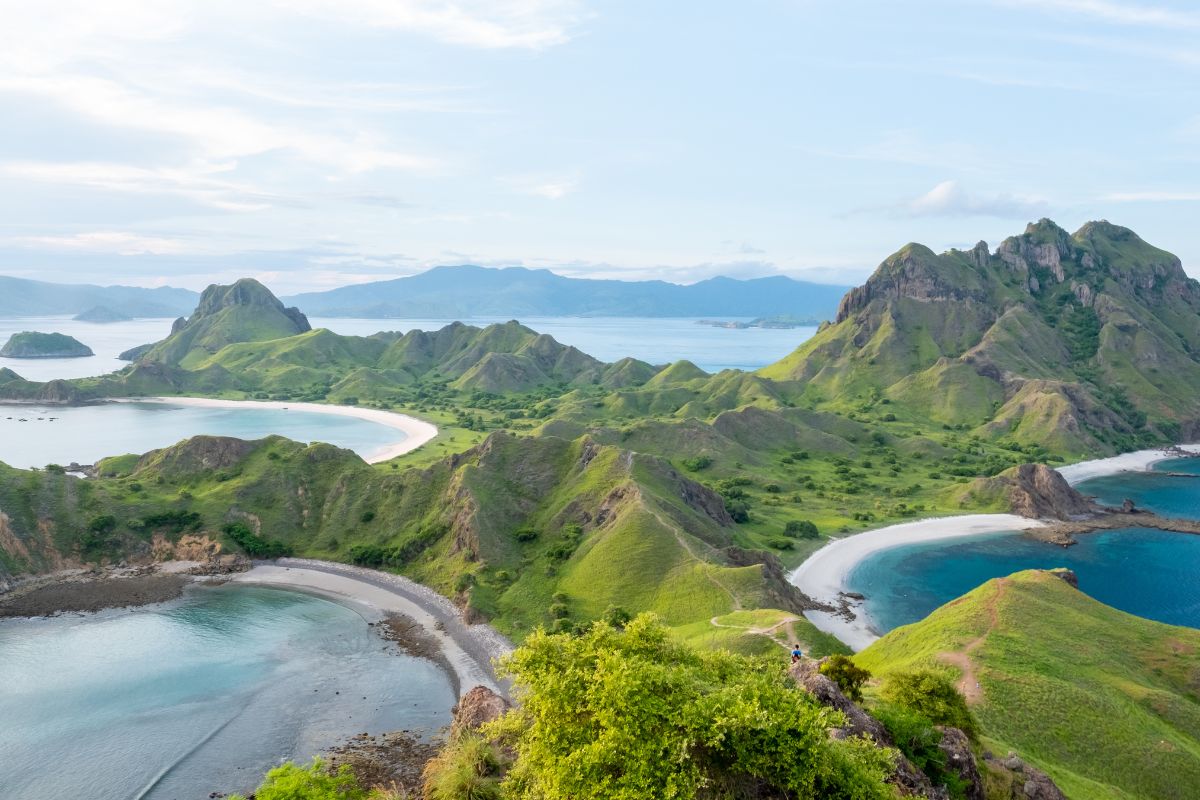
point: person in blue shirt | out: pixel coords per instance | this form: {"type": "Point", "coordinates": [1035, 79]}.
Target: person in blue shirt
{"type": "Point", "coordinates": [796, 653]}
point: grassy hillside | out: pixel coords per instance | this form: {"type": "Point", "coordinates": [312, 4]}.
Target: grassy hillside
{"type": "Point", "coordinates": [1084, 343]}
{"type": "Point", "coordinates": [1107, 703]}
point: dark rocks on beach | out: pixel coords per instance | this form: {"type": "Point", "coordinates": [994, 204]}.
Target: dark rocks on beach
{"type": "Point", "coordinates": [92, 594]}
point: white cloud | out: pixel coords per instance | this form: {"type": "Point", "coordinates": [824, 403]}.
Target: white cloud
{"type": "Point", "coordinates": [1117, 13]}
{"type": "Point", "coordinates": [111, 242]}
{"type": "Point", "coordinates": [1152, 197]}
{"type": "Point", "coordinates": [949, 199]}
{"type": "Point", "coordinates": [549, 187]}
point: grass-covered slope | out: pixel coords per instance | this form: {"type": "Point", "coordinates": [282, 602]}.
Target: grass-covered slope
{"type": "Point", "coordinates": [1108, 703]}
{"type": "Point", "coordinates": [1086, 342]}
{"type": "Point", "coordinates": [526, 531]}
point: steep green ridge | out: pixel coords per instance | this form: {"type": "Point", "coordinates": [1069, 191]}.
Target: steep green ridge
{"type": "Point", "coordinates": [525, 531]}
{"type": "Point", "coordinates": [31, 344]}
{"type": "Point", "coordinates": [1085, 343]}
{"type": "Point", "coordinates": [1106, 702]}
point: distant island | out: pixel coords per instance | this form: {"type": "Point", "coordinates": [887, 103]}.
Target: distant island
{"type": "Point", "coordinates": [21, 297]}
{"type": "Point", "coordinates": [463, 292]}
{"type": "Point", "coordinates": [781, 322]}
{"type": "Point", "coordinates": [31, 344]}
{"type": "Point", "coordinates": [101, 315]}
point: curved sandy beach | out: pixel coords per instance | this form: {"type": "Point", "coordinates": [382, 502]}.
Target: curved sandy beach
{"type": "Point", "coordinates": [468, 650]}
{"type": "Point", "coordinates": [416, 431]}
{"type": "Point", "coordinates": [823, 575]}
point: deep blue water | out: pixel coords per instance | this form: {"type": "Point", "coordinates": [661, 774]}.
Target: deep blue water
{"type": "Point", "coordinates": [1154, 574]}
{"type": "Point", "coordinates": [202, 694]}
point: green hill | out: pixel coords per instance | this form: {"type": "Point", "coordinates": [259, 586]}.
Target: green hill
{"type": "Point", "coordinates": [31, 344]}
{"type": "Point", "coordinates": [1085, 343]}
{"type": "Point", "coordinates": [1106, 702]}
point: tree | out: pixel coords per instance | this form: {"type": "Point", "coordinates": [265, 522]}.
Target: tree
{"type": "Point", "coordinates": [932, 695]}
{"type": "Point", "coordinates": [846, 674]}
{"type": "Point", "coordinates": [803, 528]}
{"type": "Point", "coordinates": [632, 714]}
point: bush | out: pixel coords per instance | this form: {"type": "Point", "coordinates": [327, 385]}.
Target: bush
{"type": "Point", "coordinates": [916, 737]}
{"type": "Point", "coordinates": [932, 695]}
{"type": "Point", "coordinates": [782, 543]}
{"type": "Point", "coordinates": [773, 488]}
{"type": "Point", "coordinates": [802, 528]}
{"type": "Point", "coordinates": [314, 782]}
{"type": "Point", "coordinates": [846, 674]}
{"type": "Point", "coordinates": [467, 768]}
{"type": "Point", "coordinates": [696, 464]}
{"type": "Point", "coordinates": [526, 534]}
{"type": "Point", "coordinates": [367, 516]}
{"type": "Point", "coordinates": [654, 718]}
{"type": "Point", "coordinates": [255, 545]}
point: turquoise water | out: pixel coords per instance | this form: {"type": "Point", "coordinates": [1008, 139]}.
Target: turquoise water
{"type": "Point", "coordinates": [199, 695]}
{"type": "Point", "coordinates": [84, 434]}
{"type": "Point", "coordinates": [1149, 573]}
{"type": "Point", "coordinates": [607, 338]}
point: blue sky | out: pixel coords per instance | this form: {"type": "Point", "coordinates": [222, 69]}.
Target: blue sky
{"type": "Point", "coordinates": [313, 143]}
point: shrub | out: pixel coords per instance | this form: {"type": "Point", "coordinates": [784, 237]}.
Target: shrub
{"type": "Point", "coordinates": [932, 695]}
{"type": "Point", "coordinates": [802, 528]}
{"type": "Point", "coordinates": [782, 543]}
{"type": "Point", "coordinates": [916, 737]}
{"type": "Point", "coordinates": [654, 718]}
{"type": "Point", "coordinates": [697, 463]}
{"type": "Point", "coordinates": [846, 674]}
{"type": "Point", "coordinates": [367, 516]}
{"type": "Point", "coordinates": [467, 768]}
{"type": "Point", "coordinates": [314, 782]}
{"type": "Point", "coordinates": [255, 545]}
{"type": "Point", "coordinates": [773, 488]}
{"type": "Point", "coordinates": [526, 534]}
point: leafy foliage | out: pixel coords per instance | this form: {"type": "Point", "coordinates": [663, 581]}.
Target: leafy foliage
{"type": "Point", "coordinates": [255, 545]}
{"type": "Point", "coordinates": [849, 677]}
{"type": "Point", "coordinates": [314, 782]}
{"type": "Point", "coordinates": [930, 694]}
{"type": "Point", "coordinates": [631, 714]}
{"type": "Point", "coordinates": [916, 737]}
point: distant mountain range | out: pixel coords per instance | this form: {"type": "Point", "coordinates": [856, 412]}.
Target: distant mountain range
{"type": "Point", "coordinates": [20, 297]}
{"type": "Point", "coordinates": [462, 292]}
{"type": "Point", "coordinates": [468, 291]}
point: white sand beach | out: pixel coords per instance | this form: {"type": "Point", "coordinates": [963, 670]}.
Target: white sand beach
{"type": "Point", "coordinates": [823, 575]}
{"type": "Point", "coordinates": [467, 649]}
{"type": "Point", "coordinates": [1137, 461]}
{"type": "Point", "coordinates": [416, 432]}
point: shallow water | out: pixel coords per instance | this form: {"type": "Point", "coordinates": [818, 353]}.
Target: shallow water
{"type": "Point", "coordinates": [202, 694]}
{"type": "Point", "coordinates": [33, 436]}
{"type": "Point", "coordinates": [607, 338]}
{"type": "Point", "coordinates": [1153, 574]}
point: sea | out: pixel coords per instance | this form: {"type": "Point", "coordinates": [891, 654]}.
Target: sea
{"type": "Point", "coordinates": [1149, 573]}
{"type": "Point", "coordinates": [657, 341]}
{"type": "Point", "coordinates": [202, 694]}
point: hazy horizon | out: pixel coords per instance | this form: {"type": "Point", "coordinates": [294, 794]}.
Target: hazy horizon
{"type": "Point", "coordinates": [317, 144]}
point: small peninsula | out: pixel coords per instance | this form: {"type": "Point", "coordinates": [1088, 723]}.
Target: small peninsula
{"type": "Point", "coordinates": [32, 344]}
{"type": "Point", "coordinates": [101, 315]}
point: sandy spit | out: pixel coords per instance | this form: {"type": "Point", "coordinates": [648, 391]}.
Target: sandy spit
{"type": "Point", "coordinates": [416, 432]}
{"type": "Point", "coordinates": [823, 575]}
{"type": "Point", "coordinates": [1137, 461]}
{"type": "Point", "coordinates": [467, 649]}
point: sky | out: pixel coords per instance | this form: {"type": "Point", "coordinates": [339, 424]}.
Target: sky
{"type": "Point", "coordinates": [315, 143]}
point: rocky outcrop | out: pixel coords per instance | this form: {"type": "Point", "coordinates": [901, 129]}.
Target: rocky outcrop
{"type": "Point", "coordinates": [961, 761]}
{"type": "Point", "coordinates": [476, 708]}
{"type": "Point", "coordinates": [1038, 492]}
{"type": "Point", "coordinates": [1022, 781]}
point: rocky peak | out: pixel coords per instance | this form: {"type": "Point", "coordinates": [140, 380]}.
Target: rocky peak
{"type": "Point", "coordinates": [245, 292]}
{"type": "Point", "coordinates": [914, 272]}
{"type": "Point", "coordinates": [1043, 244]}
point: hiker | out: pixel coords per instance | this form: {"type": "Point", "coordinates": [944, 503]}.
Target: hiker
{"type": "Point", "coordinates": [796, 653]}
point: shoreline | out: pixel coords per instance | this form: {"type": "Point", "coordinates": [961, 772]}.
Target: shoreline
{"type": "Point", "coordinates": [1135, 461]}
{"type": "Point", "coordinates": [466, 650]}
{"type": "Point", "coordinates": [417, 432]}
{"type": "Point", "coordinates": [822, 576]}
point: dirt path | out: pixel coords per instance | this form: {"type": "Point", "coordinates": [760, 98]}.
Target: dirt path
{"type": "Point", "coordinates": [969, 685]}
{"type": "Point", "coordinates": [788, 624]}
{"type": "Point", "coordinates": [687, 548]}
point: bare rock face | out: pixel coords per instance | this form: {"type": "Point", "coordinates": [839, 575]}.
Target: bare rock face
{"type": "Point", "coordinates": [1025, 781]}
{"type": "Point", "coordinates": [1039, 491]}
{"type": "Point", "coordinates": [961, 760]}
{"type": "Point", "coordinates": [478, 706]}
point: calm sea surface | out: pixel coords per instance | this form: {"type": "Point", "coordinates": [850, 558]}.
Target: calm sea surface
{"type": "Point", "coordinates": [33, 436]}
{"type": "Point", "coordinates": [607, 338]}
{"type": "Point", "coordinates": [1153, 574]}
{"type": "Point", "coordinates": [202, 694]}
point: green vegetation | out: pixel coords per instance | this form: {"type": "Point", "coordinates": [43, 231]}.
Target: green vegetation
{"type": "Point", "coordinates": [651, 718]}
{"type": "Point", "coordinates": [849, 677]}
{"type": "Point", "coordinates": [1105, 702]}
{"type": "Point", "coordinates": [314, 782]}
{"type": "Point", "coordinates": [31, 344]}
